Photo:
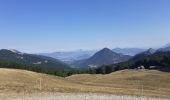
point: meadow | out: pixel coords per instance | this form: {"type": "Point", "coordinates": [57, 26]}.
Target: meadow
{"type": "Point", "coordinates": [121, 84]}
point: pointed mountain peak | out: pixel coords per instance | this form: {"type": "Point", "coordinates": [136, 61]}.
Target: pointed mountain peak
{"type": "Point", "coordinates": [106, 49]}
{"type": "Point", "coordinates": [104, 57]}
{"type": "Point", "coordinates": [150, 51]}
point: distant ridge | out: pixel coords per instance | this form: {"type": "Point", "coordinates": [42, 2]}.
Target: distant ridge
{"type": "Point", "coordinates": [144, 54]}
{"type": "Point", "coordinates": [15, 56]}
{"type": "Point", "coordinates": [150, 59]}
{"type": "Point", "coordinates": [102, 57]}
{"type": "Point", "coordinates": [70, 56]}
{"type": "Point", "coordinates": [164, 49]}
{"type": "Point", "coordinates": [129, 51]}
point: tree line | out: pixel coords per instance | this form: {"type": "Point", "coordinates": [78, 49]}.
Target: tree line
{"type": "Point", "coordinates": [157, 59]}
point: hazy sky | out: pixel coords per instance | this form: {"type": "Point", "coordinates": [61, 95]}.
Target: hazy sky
{"type": "Point", "coordinates": [52, 25]}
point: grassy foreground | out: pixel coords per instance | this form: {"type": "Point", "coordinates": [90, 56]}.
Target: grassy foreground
{"type": "Point", "coordinates": [74, 96]}
{"type": "Point", "coordinates": [127, 82]}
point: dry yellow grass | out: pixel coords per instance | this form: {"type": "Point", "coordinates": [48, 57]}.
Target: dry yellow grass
{"type": "Point", "coordinates": [154, 83]}
{"type": "Point", "coordinates": [73, 96]}
{"type": "Point", "coordinates": [143, 82]}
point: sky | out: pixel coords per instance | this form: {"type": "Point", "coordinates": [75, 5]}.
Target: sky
{"type": "Point", "coordinates": [64, 25]}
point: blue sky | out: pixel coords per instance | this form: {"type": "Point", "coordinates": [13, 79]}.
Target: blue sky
{"type": "Point", "coordinates": [55, 25]}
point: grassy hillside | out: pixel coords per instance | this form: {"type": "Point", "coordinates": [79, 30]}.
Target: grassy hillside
{"type": "Point", "coordinates": [148, 82]}
{"type": "Point", "coordinates": [154, 83]}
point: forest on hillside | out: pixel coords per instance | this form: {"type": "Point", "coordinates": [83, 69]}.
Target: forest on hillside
{"type": "Point", "coordinates": [157, 59]}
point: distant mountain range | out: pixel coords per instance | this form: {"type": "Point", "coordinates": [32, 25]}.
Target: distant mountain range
{"type": "Point", "coordinates": [14, 56]}
{"type": "Point", "coordinates": [70, 56]}
{"type": "Point", "coordinates": [79, 58]}
{"type": "Point", "coordinates": [150, 59]}
{"type": "Point", "coordinates": [105, 56]}
{"type": "Point", "coordinates": [165, 48]}
{"type": "Point", "coordinates": [128, 51]}
{"type": "Point", "coordinates": [105, 60]}
{"type": "Point", "coordinates": [102, 57]}
{"type": "Point", "coordinates": [143, 54]}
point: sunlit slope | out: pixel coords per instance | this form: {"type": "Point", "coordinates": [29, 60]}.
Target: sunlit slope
{"type": "Point", "coordinates": [22, 81]}
{"type": "Point", "coordinates": [148, 82]}
{"type": "Point", "coordinates": [14, 80]}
